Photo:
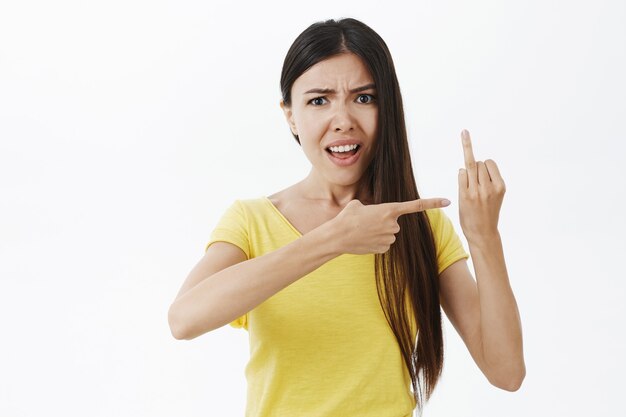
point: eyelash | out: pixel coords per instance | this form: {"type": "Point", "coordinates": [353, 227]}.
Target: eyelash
{"type": "Point", "coordinates": [310, 102]}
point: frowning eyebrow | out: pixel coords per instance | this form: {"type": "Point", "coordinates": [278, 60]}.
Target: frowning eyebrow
{"type": "Point", "coordinates": [331, 91]}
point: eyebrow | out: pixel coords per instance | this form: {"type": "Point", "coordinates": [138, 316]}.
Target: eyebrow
{"type": "Point", "coordinates": [331, 91]}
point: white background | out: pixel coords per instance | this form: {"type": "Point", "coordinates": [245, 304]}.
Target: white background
{"type": "Point", "coordinates": [128, 127]}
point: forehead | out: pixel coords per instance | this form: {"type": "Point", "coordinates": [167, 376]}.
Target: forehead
{"type": "Point", "coordinates": [340, 71]}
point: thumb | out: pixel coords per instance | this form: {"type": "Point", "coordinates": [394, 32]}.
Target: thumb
{"type": "Point", "coordinates": [421, 204]}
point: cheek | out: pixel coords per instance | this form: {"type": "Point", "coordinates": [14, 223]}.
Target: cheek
{"type": "Point", "coordinates": [312, 129]}
{"type": "Point", "coordinates": [367, 117]}
{"type": "Point", "coordinates": [312, 122]}
{"type": "Point", "coordinates": [371, 125]}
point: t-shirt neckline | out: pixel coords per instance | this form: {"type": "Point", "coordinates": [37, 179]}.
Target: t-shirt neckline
{"type": "Point", "coordinates": [287, 222]}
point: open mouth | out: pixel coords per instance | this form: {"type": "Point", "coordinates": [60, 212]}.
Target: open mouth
{"type": "Point", "coordinates": [345, 154]}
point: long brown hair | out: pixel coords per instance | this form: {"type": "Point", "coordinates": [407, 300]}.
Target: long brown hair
{"type": "Point", "coordinates": [406, 275]}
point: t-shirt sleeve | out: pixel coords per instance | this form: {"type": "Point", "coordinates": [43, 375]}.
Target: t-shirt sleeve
{"type": "Point", "coordinates": [447, 242]}
{"type": "Point", "coordinates": [233, 228]}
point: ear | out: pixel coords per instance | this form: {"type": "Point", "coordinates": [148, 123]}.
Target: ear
{"type": "Point", "coordinates": [289, 117]}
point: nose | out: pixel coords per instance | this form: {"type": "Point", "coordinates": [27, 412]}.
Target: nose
{"type": "Point", "coordinates": [343, 120]}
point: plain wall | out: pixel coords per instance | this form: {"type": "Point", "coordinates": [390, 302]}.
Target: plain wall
{"type": "Point", "coordinates": [128, 127]}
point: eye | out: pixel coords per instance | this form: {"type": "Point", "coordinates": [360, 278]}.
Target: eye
{"type": "Point", "coordinates": [315, 100]}
{"type": "Point", "coordinates": [371, 98]}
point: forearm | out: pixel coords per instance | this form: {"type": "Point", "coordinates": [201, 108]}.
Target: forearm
{"type": "Point", "coordinates": [234, 291]}
{"type": "Point", "coordinates": [501, 327]}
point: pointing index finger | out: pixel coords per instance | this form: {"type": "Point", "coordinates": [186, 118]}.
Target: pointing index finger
{"type": "Point", "coordinates": [421, 204]}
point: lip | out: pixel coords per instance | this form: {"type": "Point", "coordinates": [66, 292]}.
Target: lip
{"type": "Point", "coordinates": [342, 142]}
{"type": "Point", "coordinates": [346, 161]}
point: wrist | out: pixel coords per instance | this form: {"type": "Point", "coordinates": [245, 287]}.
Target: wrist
{"type": "Point", "coordinates": [484, 239]}
{"type": "Point", "coordinates": [331, 234]}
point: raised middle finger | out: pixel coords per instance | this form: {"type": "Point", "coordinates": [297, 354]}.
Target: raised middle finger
{"type": "Point", "coordinates": [470, 162]}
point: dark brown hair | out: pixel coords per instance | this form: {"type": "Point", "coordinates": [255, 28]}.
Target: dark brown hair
{"type": "Point", "coordinates": [407, 277]}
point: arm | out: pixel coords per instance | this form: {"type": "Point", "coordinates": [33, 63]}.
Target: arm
{"type": "Point", "coordinates": [485, 313]}
{"type": "Point", "coordinates": [222, 296]}
{"type": "Point", "coordinates": [224, 285]}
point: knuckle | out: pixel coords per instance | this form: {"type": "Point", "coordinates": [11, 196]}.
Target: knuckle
{"type": "Point", "coordinates": [499, 185]}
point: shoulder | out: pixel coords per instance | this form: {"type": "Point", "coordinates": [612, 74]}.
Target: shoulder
{"type": "Point", "coordinates": [284, 198]}
{"type": "Point", "coordinates": [249, 204]}
{"type": "Point", "coordinates": [441, 225]}
{"type": "Point", "coordinates": [435, 216]}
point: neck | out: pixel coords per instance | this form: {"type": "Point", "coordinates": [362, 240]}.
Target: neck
{"type": "Point", "coordinates": [315, 188]}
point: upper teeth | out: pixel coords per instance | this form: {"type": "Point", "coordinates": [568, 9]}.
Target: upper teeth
{"type": "Point", "coordinates": [343, 148]}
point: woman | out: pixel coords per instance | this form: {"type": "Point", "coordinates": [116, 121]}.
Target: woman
{"type": "Point", "coordinates": [334, 276]}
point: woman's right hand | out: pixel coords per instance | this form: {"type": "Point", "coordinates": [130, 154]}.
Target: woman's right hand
{"type": "Point", "coordinates": [364, 229]}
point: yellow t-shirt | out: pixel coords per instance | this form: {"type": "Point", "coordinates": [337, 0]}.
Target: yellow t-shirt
{"type": "Point", "coordinates": [322, 347]}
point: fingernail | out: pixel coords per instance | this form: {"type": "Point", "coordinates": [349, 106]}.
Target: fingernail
{"type": "Point", "coordinates": [445, 202]}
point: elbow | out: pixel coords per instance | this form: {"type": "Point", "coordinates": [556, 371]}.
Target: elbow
{"type": "Point", "coordinates": [176, 325]}
{"type": "Point", "coordinates": [182, 328]}
{"type": "Point", "coordinates": [511, 385]}
{"type": "Point", "coordinates": [511, 380]}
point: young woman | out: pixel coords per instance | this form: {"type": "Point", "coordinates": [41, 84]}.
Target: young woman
{"type": "Point", "coordinates": [340, 278]}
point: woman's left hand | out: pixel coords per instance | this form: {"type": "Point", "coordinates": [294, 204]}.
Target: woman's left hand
{"type": "Point", "coordinates": [481, 191]}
